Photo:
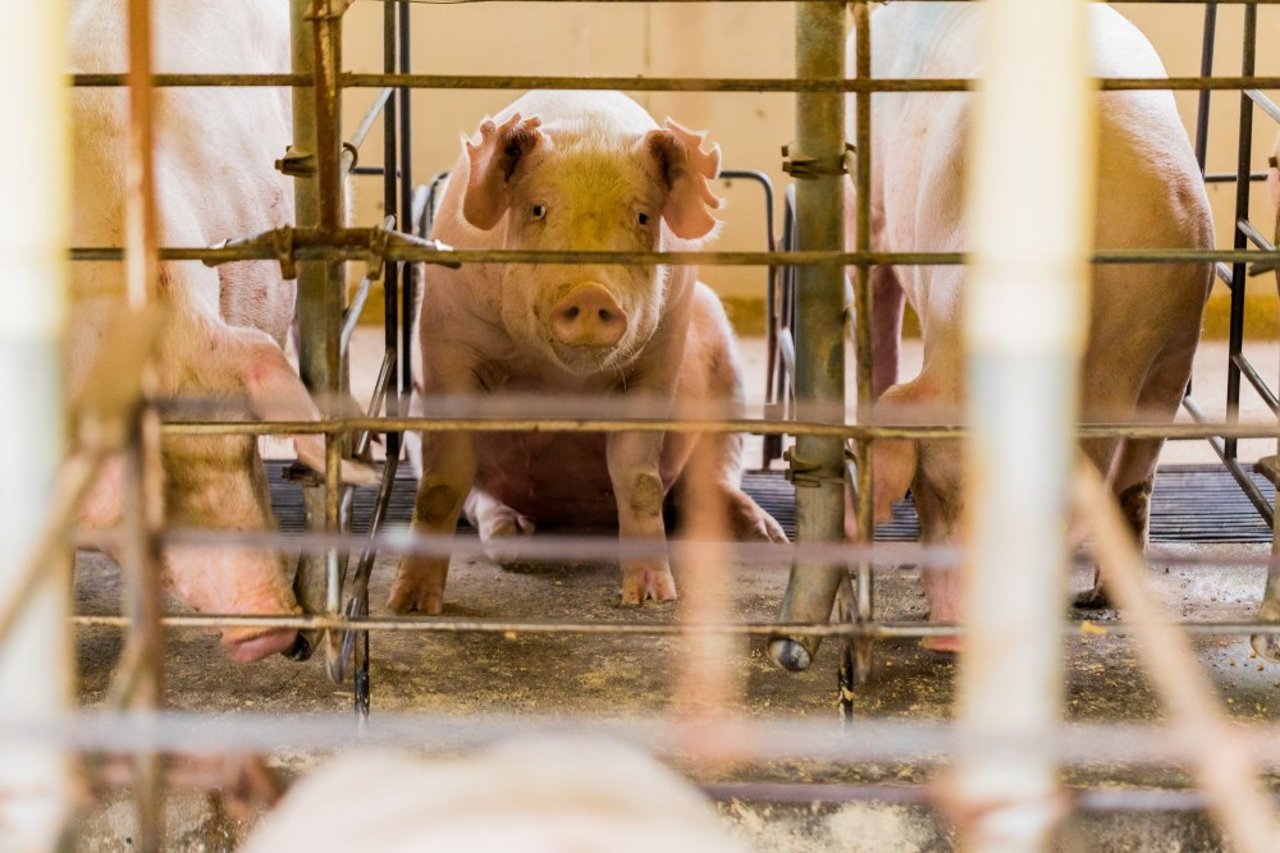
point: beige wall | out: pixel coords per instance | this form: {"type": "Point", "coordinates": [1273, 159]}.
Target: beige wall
{"type": "Point", "coordinates": [722, 39]}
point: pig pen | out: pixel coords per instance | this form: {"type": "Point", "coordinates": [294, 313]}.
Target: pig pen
{"type": "Point", "coordinates": [548, 647]}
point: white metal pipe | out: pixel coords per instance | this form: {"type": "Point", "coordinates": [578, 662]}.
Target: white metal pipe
{"type": "Point", "coordinates": [1024, 328]}
{"type": "Point", "coordinates": [35, 661]}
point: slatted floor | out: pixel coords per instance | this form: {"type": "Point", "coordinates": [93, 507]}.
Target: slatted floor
{"type": "Point", "coordinates": [1192, 503]}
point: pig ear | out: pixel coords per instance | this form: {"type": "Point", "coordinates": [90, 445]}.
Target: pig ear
{"type": "Point", "coordinates": [275, 392]}
{"type": "Point", "coordinates": [685, 171]}
{"type": "Point", "coordinates": [495, 166]}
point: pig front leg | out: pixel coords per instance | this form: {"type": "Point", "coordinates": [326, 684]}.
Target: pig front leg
{"type": "Point", "coordinates": [448, 472]}
{"type": "Point", "coordinates": [633, 470]}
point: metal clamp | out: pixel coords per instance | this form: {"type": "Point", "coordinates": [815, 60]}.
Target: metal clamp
{"type": "Point", "coordinates": [801, 472]}
{"type": "Point", "coordinates": [805, 168]}
{"type": "Point", "coordinates": [379, 240]}
{"type": "Point", "coordinates": [282, 242]}
{"type": "Point", "coordinates": [297, 164]}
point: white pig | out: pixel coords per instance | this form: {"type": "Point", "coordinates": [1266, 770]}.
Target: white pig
{"type": "Point", "coordinates": [214, 150]}
{"type": "Point", "coordinates": [1144, 320]}
{"type": "Point", "coordinates": [587, 171]}
{"type": "Point", "coordinates": [539, 794]}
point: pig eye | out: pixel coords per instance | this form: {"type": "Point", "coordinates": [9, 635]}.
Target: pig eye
{"type": "Point", "coordinates": [642, 218]}
{"type": "Point", "coordinates": [538, 211]}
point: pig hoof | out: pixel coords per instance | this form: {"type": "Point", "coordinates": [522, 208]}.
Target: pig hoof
{"type": "Point", "coordinates": [501, 539]}
{"type": "Point", "coordinates": [1092, 599]}
{"type": "Point", "coordinates": [1267, 645]}
{"type": "Point", "coordinates": [406, 596]}
{"type": "Point", "coordinates": [790, 654]}
{"type": "Point", "coordinates": [650, 582]}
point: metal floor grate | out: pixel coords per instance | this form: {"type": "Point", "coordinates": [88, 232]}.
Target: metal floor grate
{"type": "Point", "coordinates": [1192, 503]}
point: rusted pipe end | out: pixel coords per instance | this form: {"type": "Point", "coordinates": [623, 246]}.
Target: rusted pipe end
{"type": "Point", "coordinates": [790, 654]}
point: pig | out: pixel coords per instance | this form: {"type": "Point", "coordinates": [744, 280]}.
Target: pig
{"type": "Point", "coordinates": [1144, 320]}
{"type": "Point", "coordinates": [587, 171]}
{"type": "Point", "coordinates": [1268, 645]}
{"type": "Point", "coordinates": [225, 327]}
{"type": "Point", "coordinates": [540, 793]}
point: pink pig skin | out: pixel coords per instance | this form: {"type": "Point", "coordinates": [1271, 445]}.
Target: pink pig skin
{"type": "Point", "coordinates": [214, 151]}
{"type": "Point", "coordinates": [1144, 320]}
{"type": "Point", "coordinates": [587, 171]}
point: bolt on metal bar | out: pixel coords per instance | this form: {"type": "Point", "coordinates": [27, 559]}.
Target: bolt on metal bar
{"type": "Point", "coordinates": [817, 462]}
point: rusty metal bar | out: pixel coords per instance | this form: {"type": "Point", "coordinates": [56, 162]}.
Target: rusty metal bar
{"type": "Point", "coordinates": [888, 630]}
{"type": "Point", "coordinates": [499, 422]}
{"type": "Point", "coordinates": [662, 84]}
{"type": "Point", "coordinates": [353, 244]}
{"type": "Point", "coordinates": [817, 462]}
{"type": "Point", "coordinates": [857, 660]}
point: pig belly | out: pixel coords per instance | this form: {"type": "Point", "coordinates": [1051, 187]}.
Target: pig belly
{"type": "Point", "coordinates": [556, 480]}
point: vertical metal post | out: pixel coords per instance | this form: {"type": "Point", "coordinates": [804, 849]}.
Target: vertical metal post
{"type": "Point", "coordinates": [857, 659]}
{"type": "Point", "coordinates": [1239, 270]}
{"type": "Point", "coordinates": [390, 202]}
{"type": "Point", "coordinates": [817, 464]}
{"type": "Point", "coordinates": [37, 659]}
{"type": "Point", "coordinates": [318, 192]}
{"type": "Point", "coordinates": [407, 295]}
{"type": "Point", "coordinates": [144, 496]}
{"type": "Point", "coordinates": [1206, 70]}
{"type": "Point", "coordinates": [1024, 333]}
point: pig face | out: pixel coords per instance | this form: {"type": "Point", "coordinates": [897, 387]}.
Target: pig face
{"type": "Point", "coordinates": [589, 193]}
{"type": "Point", "coordinates": [220, 483]}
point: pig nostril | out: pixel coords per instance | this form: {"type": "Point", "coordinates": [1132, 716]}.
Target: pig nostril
{"type": "Point", "coordinates": [604, 316]}
{"type": "Point", "coordinates": [572, 313]}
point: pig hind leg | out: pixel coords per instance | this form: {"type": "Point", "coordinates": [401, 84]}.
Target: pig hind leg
{"type": "Point", "coordinates": [500, 527]}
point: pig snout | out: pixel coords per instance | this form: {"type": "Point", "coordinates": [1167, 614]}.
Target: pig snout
{"type": "Point", "coordinates": [587, 316]}
{"type": "Point", "coordinates": [247, 645]}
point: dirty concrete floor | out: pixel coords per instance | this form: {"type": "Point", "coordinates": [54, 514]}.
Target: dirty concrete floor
{"type": "Point", "coordinates": [488, 673]}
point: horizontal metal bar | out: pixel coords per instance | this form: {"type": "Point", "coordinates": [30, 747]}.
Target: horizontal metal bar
{"type": "Point", "coordinates": [659, 84]}
{"type": "Point", "coordinates": [1230, 177]}
{"type": "Point", "coordinates": [513, 629]}
{"type": "Point", "coordinates": [352, 244]}
{"type": "Point", "coordinates": [1268, 106]}
{"type": "Point", "coordinates": [740, 738]}
{"type": "Point", "coordinates": [741, 425]}
{"type": "Point", "coordinates": [1084, 799]}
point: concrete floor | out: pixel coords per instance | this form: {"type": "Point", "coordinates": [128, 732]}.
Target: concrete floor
{"type": "Point", "coordinates": [464, 674]}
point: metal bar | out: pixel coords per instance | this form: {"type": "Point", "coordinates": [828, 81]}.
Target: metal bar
{"type": "Point", "coordinates": [506, 423]}
{"type": "Point", "coordinates": [1254, 236]}
{"type": "Point", "coordinates": [1235, 328]}
{"type": "Point", "coordinates": [817, 462]}
{"type": "Point", "coordinates": [1023, 326]}
{"type": "Point", "coordinates": [407, 295]}
{"type": "Point", "coordinates": [1207, 44]}
{"type": "Point", "coordinates": [353, 244]}
{"type": "Point", "coordinates": [860, 662]}
{"type": "Point", "coordinates": [891, 630]}
{"type": "Point", "coordinates": [1255, 379]}
{"type": "Point", "coordinates": [1217, 443]}
{"type": "Point", "coordinates": [1267, 105]}
{"type": "Point", "coordinates": [37, 657]}
{"type": "Point", "coordinates": [390, 202]}
{"type": "Point", "coordinates": [1227, 773]}
{"type": "Point", "coordinates": [351, 314]}
{"type": "Point", "coordinates": [1230, 177]}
